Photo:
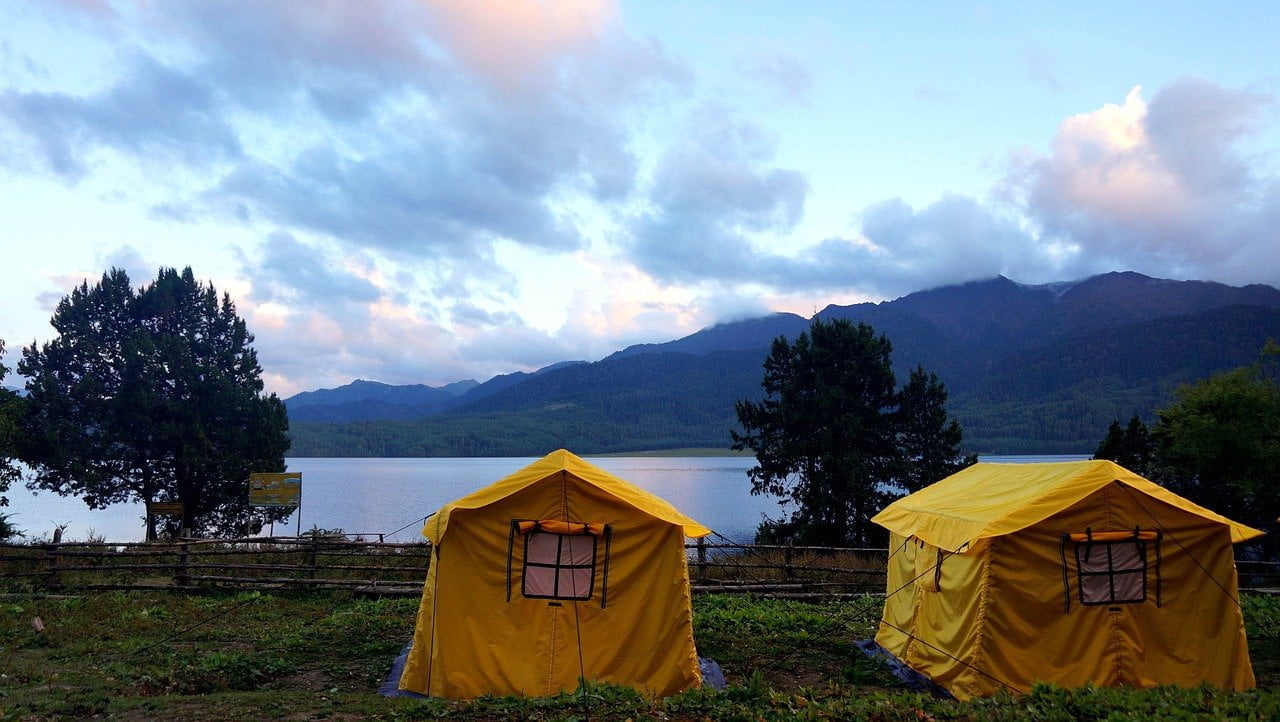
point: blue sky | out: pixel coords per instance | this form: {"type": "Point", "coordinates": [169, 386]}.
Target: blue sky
{"type": "Point", "coordinates": [429, 191]}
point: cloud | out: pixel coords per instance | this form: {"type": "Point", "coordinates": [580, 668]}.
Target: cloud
{"type": "Point", "coordinates": [357, 137]}
{"type": "Point", "coordinates": [1160, 187]}
{"type": "Point", "coordinates": [711, 196]}
{"type": "Point", "coordinates": [309, 348]}
{"type": "Point", "coordinates": [515, 44]}
{"type": "Point", "coordinates": [289, 269]}
{"type": "Point", "coordinates": [514, 346]}
{"type": "Point", "coordinates": [385, 125]}
{"type": "Point", "coordinates": [717, 202]}
{"type": "Point", "coordinates": [786, 75]}
{"type": "Point", "coordinates": [1042, 67]}
{"type": "Point", "coordinates": [160, 115]}
{"type": "Point", "coordinates": [342, 59]}
{"type": "Point", "coordinates": [953, 240]}
{"type": "Point", "coordinates": [141, 271]}
{"type": "Point", "coordinates": [902, 249]}
{"type": "Point", "coordinates": [100, 8]}
{"type": "Point", "coordinates": [468, 314]}
{"type": "Point", "coordinates": [425, 140]}
{"type": "Point", "coordinates": [414, 198]}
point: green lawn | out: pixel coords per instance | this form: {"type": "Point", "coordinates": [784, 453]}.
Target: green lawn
{"type": "Point", "coordinates": [303, 656]}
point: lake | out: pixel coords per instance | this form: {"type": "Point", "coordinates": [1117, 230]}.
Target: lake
{"type": "Point", "coordinates": [391, 496]}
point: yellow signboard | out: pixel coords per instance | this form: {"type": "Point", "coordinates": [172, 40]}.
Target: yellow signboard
{"type": "Point", "coordinates": [167, 508]}
{"type": "Point", "coordinates": [284, 489]}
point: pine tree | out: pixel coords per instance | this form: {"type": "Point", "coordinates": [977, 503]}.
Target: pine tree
{"type": "Point", "coordinates": [1130, 447]}
{"type": "Point", "coordinates": [11, 409]}
{"type": "Point", "coordinates": [833, 436]}
{"type": "Point", "coordinates": [154, 396]}
{"type": "Point", "coordinates": [1111, 445]}
{"type": "Point", "coordinates": [1137, 447]}
{"type": "Point", "coordinates": [928, 438]}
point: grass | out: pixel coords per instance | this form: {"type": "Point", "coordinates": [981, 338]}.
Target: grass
{"type": "Point", "coordinates": [157, 655]}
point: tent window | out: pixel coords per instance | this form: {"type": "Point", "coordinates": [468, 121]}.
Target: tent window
{"type": "Point", "coordinates": [1111, 567]}
{"type": "Point", "coordinates": [558, 566]}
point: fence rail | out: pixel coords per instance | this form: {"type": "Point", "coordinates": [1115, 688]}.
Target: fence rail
{"type": "Point", "coordinates": [397, 568]}
{"type": "Point", "coordinates": [251, 563]}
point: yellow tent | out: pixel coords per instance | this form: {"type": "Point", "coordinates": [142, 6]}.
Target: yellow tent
{"type": "Point", "coordinates": [559, 572]}
{"type": "Point", "coordinates": [1083, 572]}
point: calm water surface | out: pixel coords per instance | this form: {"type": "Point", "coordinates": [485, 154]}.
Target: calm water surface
{"type": "Point", "coordinates": [372, 496]}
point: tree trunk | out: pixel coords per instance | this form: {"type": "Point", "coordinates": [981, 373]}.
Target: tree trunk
{"type": "Point", "coordinates": [148, 496]}
{"type": "Point", "coordinates": [187, 492]}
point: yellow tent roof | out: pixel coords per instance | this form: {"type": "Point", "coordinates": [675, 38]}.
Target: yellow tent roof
{"type": "Point", "coordinates": [987, 500]}
{"type": "Point", "coordinates": [554, 463]}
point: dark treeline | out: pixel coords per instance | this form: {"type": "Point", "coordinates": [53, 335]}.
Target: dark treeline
{"type": "Point", "coordinates": [1218, 443]}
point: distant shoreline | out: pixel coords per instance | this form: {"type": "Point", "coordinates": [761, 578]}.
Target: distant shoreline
{"type": "Point", "coordinates": [709, 451]}
{"type": "Point", "coordinates": [676, 453]}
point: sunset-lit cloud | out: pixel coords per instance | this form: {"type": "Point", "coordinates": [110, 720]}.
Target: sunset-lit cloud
{"type": "Point", "coordinates": [516, 43]}
{"type": "Point", "coordinates": [1161, 187]}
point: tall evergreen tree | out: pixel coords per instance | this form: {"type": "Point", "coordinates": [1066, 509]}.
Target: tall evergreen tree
{"type": "Point", "coordinates": [11, 406]}
{"type": "Point", "coordinates": [1130, 447]}
{"type": "Point", "coordinates": [1109, 447]}
{"type": "Point", "coordinates": [928, 438]}
{"type": "Point", "coordinates": [832, 437]}
{"type": "Point", "coordinates": [154, 396]}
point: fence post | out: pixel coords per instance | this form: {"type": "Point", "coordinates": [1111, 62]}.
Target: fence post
{"type": "Point", "coordinates": [184, 559]}
{"type": "Point", "coordinates": [315, 542]}
{"type": "Point", "coordinates": [786, 562]}
{"type": "Point", "coordinates": [51, 579]}
{"type": "Point", "coordinates": [702, 558]}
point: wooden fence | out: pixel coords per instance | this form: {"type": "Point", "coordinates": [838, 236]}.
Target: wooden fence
{"type": "Point", "coordinates": [796, 572]}
{"type": "Point", "coordinates": [381, 568]}
{"type": "Point", "coordinates": [398, 569]}
{"type": "Point", "coordinates": [253, 563]}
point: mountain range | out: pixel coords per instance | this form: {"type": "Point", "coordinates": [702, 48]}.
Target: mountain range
{"type": "Point", "coordinates": [1029, 368]}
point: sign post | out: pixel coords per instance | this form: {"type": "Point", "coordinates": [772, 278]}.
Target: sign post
{"type": "Point", "coordinates": [282, 489]}
{"type": "Point", "coordinates": [160, 508]}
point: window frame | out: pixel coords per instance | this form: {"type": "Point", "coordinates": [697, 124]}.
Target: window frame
{"type": "Point", "coordinates": [1085, 550]}
{"type": "Point", "coordinates": [596, 530]}
{"type": "Point", "coordinates": [558, 566]}
{"type": "Point", "coordinates": [1086, 544]}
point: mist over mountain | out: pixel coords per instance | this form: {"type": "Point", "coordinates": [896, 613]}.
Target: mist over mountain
{"type": "Point", "coordinates": [740, 335]}
{"type": "Point", "coordinates": [1030, 369]}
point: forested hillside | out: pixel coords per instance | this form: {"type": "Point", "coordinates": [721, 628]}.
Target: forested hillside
{"type": "Point", "coordinates": [658, 401]}
{"type": "Point", "coordinates": [1031, 369]}
{"type": "Point", "coordinates": [1056, 398]}
{"type": "Point", "coordinates": [364, 400]}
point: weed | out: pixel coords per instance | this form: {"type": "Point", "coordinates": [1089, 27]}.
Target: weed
{"type": "Point", "coordinates": [8, 531]}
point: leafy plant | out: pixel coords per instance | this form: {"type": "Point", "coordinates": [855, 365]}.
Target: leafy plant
{"type": "Point", "coordinates": [8, 531]}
